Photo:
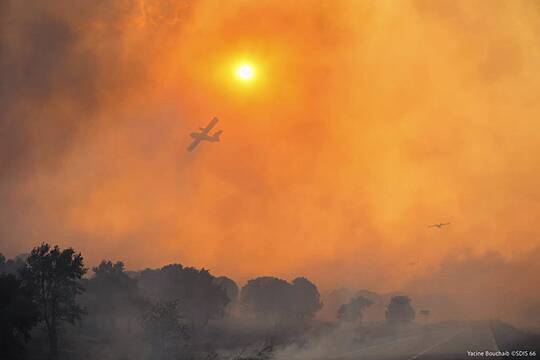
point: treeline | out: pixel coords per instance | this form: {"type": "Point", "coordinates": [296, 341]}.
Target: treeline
{"type": "Point", "coordinates": [174, 312]}
{"type": "Point", "coordinates": [51, 293]}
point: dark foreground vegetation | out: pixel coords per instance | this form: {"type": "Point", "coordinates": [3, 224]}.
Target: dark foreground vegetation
{"type": "Point", "coordinates": [53, 307]}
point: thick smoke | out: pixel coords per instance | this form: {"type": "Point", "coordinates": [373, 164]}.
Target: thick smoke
{"type": "Point", "coordinates": [369, 121]}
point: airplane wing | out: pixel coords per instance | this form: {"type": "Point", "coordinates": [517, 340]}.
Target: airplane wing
{"type": "Point", "coordinates": [209, 127]}
{"type": "Point", "coordinates": [193, 145]}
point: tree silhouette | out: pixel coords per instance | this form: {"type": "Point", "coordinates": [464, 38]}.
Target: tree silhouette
{"type": "Point", "coordinates": [111, 293]}
{"type": "Point", "coordinates": [306, 300]}
{"type": "Point", "coordinates": [229, 286]}
{"type": "Point", "coordinates": [353, 310]}
{"type": "Point", "coordinates": [18, 315]}
{"type": "Point", "coordinates": [267, 296]}
{"type": "Point", "coordinates": [166, 330]}
{"type": "Point", "coordinates": [400, 310]}
{"type": "Point", "coordinates": [200, 299]}
{"type": "Point", "coordinates": [53, 277]}
{"type": "Point", "coordinates": [273, 297]}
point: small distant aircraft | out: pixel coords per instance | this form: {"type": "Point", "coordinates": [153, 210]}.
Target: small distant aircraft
{"type": "Point", "coordinates": [440, 225]}
{"type": "Point", "coordinates": [203, 135]}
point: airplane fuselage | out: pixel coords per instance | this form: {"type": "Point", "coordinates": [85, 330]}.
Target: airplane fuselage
{"type": "Point", "coordinates": [204, 137]}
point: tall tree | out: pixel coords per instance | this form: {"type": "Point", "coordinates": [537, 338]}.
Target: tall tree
{"type": "Point", "coordinates": [18, 314]}
{"type": "Point", "coordinates": [53, 277]}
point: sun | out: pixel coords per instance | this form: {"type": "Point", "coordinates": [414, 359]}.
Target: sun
{"type": "Point", "coordinates": [245, 72]}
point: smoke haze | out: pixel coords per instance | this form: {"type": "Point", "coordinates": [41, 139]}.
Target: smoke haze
{"type": "Point", "coordinates": [369, 121]}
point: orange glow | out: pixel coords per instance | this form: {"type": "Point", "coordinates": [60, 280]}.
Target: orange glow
{"type": "Point", "coordinates": [348, 127]}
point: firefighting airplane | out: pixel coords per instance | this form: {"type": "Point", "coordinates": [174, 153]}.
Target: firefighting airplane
{"type": "Point", "coordinates": [439, 225]}
{"type": "Point", "coordinates": [203, 135]}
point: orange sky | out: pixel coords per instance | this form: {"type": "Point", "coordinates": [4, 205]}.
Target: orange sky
{"type": "Point", "coordinates": [367, 122]}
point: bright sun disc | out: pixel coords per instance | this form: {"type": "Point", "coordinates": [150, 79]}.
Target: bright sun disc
{"type": "Point", "coordinates": [245, 72]}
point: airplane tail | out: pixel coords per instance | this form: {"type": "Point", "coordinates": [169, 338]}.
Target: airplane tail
{"type": "Point", "coordinates": [217, 134]}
